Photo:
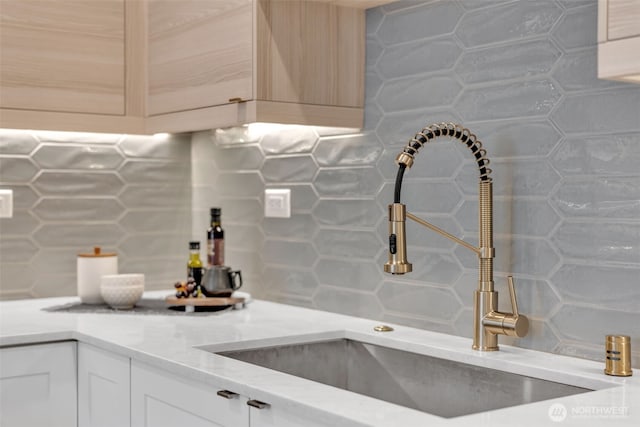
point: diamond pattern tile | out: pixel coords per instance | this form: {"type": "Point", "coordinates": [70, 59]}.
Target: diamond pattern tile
{"type": "Point", "coordinates": [91, 157]}
{"type": "Point", "coordinates": [289, 169]}
{"type": "Point", "coordinates": [507, 22]}
{"type": "Point", "coordinates": [421, 22]}
{"type": "Point", "coordinates": [522, 99]}
{"type": "Point", "coordinates": [16, 170]}
{"type": "Point", "coordinates": [64, 209]}
{"type": "Point", "coordinates": [400, 60]}
{"type": "Point", "coordinates": [12, 142]}
{"type": "Point", "coordinates": [493, 64]}
{"type": "Point", "coordinates": [564, 148]}
{"type": "Point", "coordinates": [596, 112]}
{"type": "Point", "coordinates": [289, 139]}
{"type": "Point", "coordinates": [236, 157]}
{"type": "Point", "coordinates": [414, 92]}
{"type": "Point", "coordinates": [74, 191]}
{"type": "Point", "coordinates": [608, 155]}
{"type": "Point", "coordinates": [578, 28]}
{"type": "Point", "coordinates": [349, 150]}
{"type": "Point", "coordinates": [436, 303]}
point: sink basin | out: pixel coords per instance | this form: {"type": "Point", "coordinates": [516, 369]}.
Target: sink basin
{"type": "Point", "coordinates": [437, 386]}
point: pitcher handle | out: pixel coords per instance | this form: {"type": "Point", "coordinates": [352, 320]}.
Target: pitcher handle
{"type": "Point", "coordinates": [236, 280]}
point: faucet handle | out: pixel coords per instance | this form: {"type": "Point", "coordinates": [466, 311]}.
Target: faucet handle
{"type": "Point", "coordinates": [512, 295]}
{"type": "Point", "coordinates": [514, 324]}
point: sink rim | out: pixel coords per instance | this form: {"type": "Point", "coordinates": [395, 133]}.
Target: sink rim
{"type": "Point", "coordinates": [436, 386]}
{"type": "Point", "coordinates": [509, 359]}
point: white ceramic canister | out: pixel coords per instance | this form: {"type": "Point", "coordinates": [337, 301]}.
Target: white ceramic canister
{"type": "Point", "coordinates": [91, 268]}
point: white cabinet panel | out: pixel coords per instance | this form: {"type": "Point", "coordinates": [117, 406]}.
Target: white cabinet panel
{"type": "Point", "coordinates": [159, 399]}
{"type": "Point", "coordinates": [38, 385]}
{"type": "Point", "coordinates": [103, 388]}
{"type": "Point", "coordinates": [279, 417]}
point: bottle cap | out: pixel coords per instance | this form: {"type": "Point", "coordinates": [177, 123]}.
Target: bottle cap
{"type": "Point", "coordinates": [194, 245]}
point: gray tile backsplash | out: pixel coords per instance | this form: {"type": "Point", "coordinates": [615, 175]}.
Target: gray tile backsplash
{"type": "Point", "coordinates": [72, 191]}
{"type": "Point", "coordinates": [564, 146]}
{"type": "Point", "coordinates": [565, 150]}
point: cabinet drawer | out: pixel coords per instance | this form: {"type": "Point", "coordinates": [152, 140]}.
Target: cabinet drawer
{"type": "Point", "coordinates": [159, 399]}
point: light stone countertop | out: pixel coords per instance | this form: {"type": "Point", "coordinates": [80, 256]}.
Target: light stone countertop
{"type": "Point", "coordinates": [168, 343]}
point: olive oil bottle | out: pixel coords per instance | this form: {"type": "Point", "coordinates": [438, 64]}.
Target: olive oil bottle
{"type": "Point", "coordinates": [194, 266]}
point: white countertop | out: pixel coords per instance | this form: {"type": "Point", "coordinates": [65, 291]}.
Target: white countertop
{"type": "Point", "coordinates": [169, 343]}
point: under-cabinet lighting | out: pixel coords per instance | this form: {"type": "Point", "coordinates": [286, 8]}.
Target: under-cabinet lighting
{"type": "Point", "coordinates": [258, 129]}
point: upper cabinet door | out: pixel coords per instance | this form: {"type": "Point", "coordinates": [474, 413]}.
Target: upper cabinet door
{"type": "Point", "coordinates": [310, 52]}
{"type": "Point", "coordinates": [200, 53]}
{"type": "Point", "coordinates": [63, 55]}
{"type": "Point", "coordinates": [624, 19]}
{"type": "Point", "coordinates": [619, 40]}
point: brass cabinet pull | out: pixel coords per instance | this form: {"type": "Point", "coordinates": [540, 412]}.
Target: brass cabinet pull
{"type": "Point", "coordinates": [237, 100]}
{"type": "Point", "coordinates": [227, 394]}
{"type": "Point", "coordinates": [257, 404]}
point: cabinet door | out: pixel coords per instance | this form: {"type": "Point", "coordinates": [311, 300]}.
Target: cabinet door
{"type": "Point", "coordinates": [200, 53]}
{"type": "Point", "coordinates": [63, 55]}
{"type": "Point", "coordinates": [159, 399]}
{"type": "Point", "coordinates": [38, 385]}
{"type": "Point", "coordinates": [310, 52]}
{"type": "Point", "coordinates": [624, 19]}
{"type": "Point", "coordinates": [272, 416]}
{"type": "Point", "coordinates": [103, 388]}
{"type": "Point", "coordinates": [619, 40]}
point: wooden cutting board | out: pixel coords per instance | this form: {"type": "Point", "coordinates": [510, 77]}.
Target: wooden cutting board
{"type": "Point", "coordinates": [203, 302]}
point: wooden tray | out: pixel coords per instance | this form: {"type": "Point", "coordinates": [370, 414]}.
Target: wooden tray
{"type": "Point", "coordinates": [203, 302]}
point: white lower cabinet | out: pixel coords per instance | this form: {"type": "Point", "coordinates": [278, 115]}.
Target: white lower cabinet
{"type": "Point", "coordinates": [38, 385]}
{"type": "Point", "coordinates": [70, 384]}
{"type": "Point", "coordinates": [103, 388]}
{"type": "Point", "coordinates": [160, 399]}
{"type": "Point", "coordinates": [274, 416]}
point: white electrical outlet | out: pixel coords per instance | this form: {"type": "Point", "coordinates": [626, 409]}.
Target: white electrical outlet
{"type": "Point", "coordinates": [277, 203]}
{"type": "Point", "coordinates": [6, 203]}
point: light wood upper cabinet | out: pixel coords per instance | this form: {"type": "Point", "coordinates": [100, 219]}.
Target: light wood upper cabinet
{"type": "Point", "coordinates": [619, 40]}
{"type": "Point", "coordinates": [73, 65]}
{"type": "Point", "coordinates": [200, 53]}
{"type": "Point", "coordinates": [310, 53]}
{"type": "Point", "coordinates": [147, 66]}
{"type": "Point", "coordinates": [623, 19]}
{"type": "Point", "coordinates": [63, 56]}
{"type": "Point", "coordinates": [287, 61]}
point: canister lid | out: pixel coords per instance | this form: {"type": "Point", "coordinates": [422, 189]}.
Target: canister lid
{"type": "Point", "coordinates": [97, 253]}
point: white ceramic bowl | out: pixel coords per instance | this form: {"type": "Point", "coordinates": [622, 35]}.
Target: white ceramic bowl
{"type": "Point", "coordinates": [122, 291]}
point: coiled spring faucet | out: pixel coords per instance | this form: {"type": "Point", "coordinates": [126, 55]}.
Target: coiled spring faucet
{"type": "Point", "coordinates": [488, 321]}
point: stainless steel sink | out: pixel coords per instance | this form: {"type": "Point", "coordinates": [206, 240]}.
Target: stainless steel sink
{"type": "Point", "coordinates": [436, 386]}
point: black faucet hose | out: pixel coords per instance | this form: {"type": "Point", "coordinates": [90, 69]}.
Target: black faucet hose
{"type": "Point", "coordinates": [396, 194]}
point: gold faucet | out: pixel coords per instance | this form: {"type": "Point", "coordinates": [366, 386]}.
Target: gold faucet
{"type": "Point", "coordinates": [488, 321]}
